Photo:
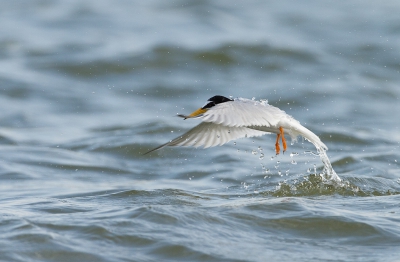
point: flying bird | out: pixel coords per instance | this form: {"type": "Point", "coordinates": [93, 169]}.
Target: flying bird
{"type": "Point", "coordinates": [225, 119]}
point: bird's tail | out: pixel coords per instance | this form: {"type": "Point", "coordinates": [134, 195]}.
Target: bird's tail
{"type": "Point", "coordinates": [299, 130]}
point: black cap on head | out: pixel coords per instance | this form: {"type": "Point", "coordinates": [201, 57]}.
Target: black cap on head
{"type": "Point", "coordinates": [216, 100]}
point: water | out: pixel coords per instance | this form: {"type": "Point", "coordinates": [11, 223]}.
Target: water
{"type": "Point", "coordinates": [86, 87]}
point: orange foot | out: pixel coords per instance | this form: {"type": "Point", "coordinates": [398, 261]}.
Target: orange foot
{"type": "Point", "coordinates": [277, 148]}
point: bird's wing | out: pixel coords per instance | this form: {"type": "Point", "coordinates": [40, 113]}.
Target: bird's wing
{"type": "Point", "coordinates": [244, 112]}
{"type": "Point", "coordinates": [258, 116]}
{"type": "Point", "coordinates": [209, 134]}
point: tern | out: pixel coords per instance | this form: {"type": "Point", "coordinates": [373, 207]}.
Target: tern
{"type": "Point", "coordinates": [225, 119]}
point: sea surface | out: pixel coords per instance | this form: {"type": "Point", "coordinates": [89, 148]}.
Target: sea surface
{"type": "Point", "coordinates": [87, 87]}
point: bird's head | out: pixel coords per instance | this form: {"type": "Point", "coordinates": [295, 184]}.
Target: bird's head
{"type": "Point", "coordinates": [215, 100]}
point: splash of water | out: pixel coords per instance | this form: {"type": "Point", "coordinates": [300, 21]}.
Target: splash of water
{"type": "Point", "coordinates": [328, 171]}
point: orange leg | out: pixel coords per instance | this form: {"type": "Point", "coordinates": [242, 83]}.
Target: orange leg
{"type": "Point", "coordinates": [283, 139]}
{"type": "Point", "coordinates": [277, 148]}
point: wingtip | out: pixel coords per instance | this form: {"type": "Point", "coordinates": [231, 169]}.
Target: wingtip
{"type": "Point", "coordinates": [148, 152]}
{"type": "Point", "coordinates": [154, 149]}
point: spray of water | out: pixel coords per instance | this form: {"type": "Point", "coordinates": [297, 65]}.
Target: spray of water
{"type": "Point", "coordinates": [328, 171]}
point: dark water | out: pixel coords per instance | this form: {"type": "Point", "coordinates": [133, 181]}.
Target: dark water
{"type": "Point", "coordinates": [86, 87]}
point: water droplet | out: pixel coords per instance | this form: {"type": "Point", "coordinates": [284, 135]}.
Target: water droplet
{"type": "Point", "coordinates": [293, 154]}
{"type": "Point", "coordinates": [266, 171]}
{"type": "Point", "coordinates": [234, 143]}
{"type": "Point", "coordinates": [254, 152]}
{"type": "Point", "coordinates": [294, 162]}
{"type": "Point", "coordinates": [218, 136]}
{"type": "Point", "coordinates": [253, 98]}
{"type": "Point", "coordinates": [279, 173]}
{"type": "Point", "coordinates": [261, 156]}
{"type": "Point", "coordinates": [278, 162]}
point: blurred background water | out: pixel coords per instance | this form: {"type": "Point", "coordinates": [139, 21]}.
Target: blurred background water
{"type": "Point", "coordinates": [86, 87]}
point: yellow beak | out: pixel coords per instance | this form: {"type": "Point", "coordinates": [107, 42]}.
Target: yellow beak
{"type": "Point", "coordinates": [194, 114]}
{"type": "Point", "coordinates": [198, 112]}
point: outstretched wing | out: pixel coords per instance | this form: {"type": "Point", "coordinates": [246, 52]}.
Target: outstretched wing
{"type": "Point", "coordinates": [244, 112]}
{"type": "Point", "coordinates": [209, 134]}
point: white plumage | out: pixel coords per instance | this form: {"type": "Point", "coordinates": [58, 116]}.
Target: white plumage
{"type": "Point", "coordinates": [225, 120]}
